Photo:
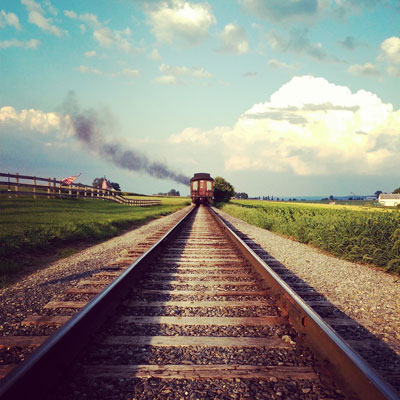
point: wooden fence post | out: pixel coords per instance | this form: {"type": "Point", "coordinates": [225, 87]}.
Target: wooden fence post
{"type": "Point", "coordinates": [9, 187]}
{"type": "Point", "coordinates": [16, 184]}
{"type": "Point", "coordinates": [34, 187]}
{"type": "Point", "coordinates": [48, 190]}
{"type": "Point", "coordinates": [54, 188]}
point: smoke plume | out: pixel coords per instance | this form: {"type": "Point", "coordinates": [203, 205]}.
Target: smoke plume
{"type": "Point", "coordinates": [88, 127]}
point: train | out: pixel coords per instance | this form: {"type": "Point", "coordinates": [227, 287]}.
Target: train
{"type": "Point", "coordinates": [202, 188]}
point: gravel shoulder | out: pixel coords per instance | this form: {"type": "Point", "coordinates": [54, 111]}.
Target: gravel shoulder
{"type": "Point", "coordinates": [367, 295]}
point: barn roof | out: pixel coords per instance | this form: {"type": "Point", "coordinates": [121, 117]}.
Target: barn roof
{"type": "Point", "coordinates": [201, 175]}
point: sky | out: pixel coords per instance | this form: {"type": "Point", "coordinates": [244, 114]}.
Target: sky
{"type": "Point", "coordinates": [279, 97]}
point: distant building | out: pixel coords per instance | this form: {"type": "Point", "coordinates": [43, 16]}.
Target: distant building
{"type": "Point", "coordinates": [389, 200]}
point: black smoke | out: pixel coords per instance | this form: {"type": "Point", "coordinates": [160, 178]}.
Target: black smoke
{"type": "Point", "coordinates": [89, 126]}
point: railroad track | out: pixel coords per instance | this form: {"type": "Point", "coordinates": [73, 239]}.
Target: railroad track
{"type": "Point", "coordinates": [198, 316]}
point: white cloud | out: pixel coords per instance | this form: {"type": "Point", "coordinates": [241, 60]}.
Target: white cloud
{"type": "Point", "coordinates": [309, 126]}
{"type": "Point", "coordinates": [180, 19]}
{"type": "Point", "coordinates": [196, 72]}
{"type": "Point", "coordinates": [91, 53]}
{"type": "Point", "coordinates": [108, 38]}
{"type": "Point", "coordinates": [102, 34]}
{"type": "Point", "coordinates": [368, 69]}
{"type": "Point", "coordinates": [34, 120]}
{"type": "Point", "coordinates": [167, 80]}
{"type": "Point", "coordinates": [9, 19]}
{"type": "Point", "coordinates": [89, 70]}
{"type": "Point", "coordinates": [29, 44]}
{"type": "Point", "coordinates": [390, 50]}
{"type": "Point", "coordinates": [36, 17]}
{"type": "Point", "coordinates": [234, 40]}
{"type": "Point", "coordinates": [279, 64]}
{"type": "Point", "coordinates": [190, 135]}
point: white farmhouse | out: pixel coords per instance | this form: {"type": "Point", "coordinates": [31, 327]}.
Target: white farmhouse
{"type": "Point", "coordinates": [389, 200]}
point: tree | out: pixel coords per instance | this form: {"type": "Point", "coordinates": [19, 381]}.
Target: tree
{"type": "Point", "coordinates": [397, 190]}
{"type": "Point", "coordinates": [223, 190]}
{"type": "Point", "coordinates": [115, 186]}
{"type": "Point", "coordinates": [241, 195]}
{"type": "Point", "coordinates": [378, 192]}
{"type": "Point", "coordinates": [173, 192]}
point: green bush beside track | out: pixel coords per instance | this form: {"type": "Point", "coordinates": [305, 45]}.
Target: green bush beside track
{"type": "Point", "coordinates": [370, 237]}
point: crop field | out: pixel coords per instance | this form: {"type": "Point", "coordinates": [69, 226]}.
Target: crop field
{"type": "Point", "coordinates": [359, 234]}
{"type": "Point", "coordinates": [31, 226]}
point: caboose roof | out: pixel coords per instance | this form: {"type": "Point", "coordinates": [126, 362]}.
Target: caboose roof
{"type": "Point", "coordinates": [201, 175]}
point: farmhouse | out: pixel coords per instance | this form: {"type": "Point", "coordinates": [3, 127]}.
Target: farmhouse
{"type": "Point", "coordinates": [389, 200]}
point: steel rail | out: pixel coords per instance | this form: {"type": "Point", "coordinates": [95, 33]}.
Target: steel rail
{"type": "Point", "coordinates": [34, 377]}
{"type": "Point", "coordinates": [353, 375]}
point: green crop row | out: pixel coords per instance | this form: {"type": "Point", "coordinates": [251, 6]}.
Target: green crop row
{"type": "Point", "coordinates": [362, 236]}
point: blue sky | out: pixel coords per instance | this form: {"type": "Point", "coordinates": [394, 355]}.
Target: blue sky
{"type": "Point", "coordinates": [280, 97]}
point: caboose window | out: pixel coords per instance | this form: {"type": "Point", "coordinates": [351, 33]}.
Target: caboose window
{"type": "Point", "coordinates": [195, 185]}
{"type": "Point", "coordinates": [201, 184]}
{"type": "Point", "coordinates": [208, 185]}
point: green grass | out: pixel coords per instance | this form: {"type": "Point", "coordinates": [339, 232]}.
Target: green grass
{"type": "Point", "coordinates": [28, 225]}
{"type": "Point", "coordinates": [359, 234]}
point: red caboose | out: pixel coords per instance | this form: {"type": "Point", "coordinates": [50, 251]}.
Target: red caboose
{"type": "Point", "coordinates": [201, 188]}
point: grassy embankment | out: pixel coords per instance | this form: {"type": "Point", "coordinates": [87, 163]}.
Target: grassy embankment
{"type": "Point", "coordinates": [30, 226]}
{"type": "Point", "coordinates": [359, 234]}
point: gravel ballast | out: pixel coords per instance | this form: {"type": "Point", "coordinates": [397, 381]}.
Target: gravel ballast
{"type": "Point", "coordinates": [363, 293]}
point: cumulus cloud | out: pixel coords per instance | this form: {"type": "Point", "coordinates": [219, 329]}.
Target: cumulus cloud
{"type": "Point", "coordinates": [279, 10]}
{"type": "Point", "coordinates": [9, 19]}
{"type": "Point", "coordinates": [390, 50]}
{"type": "Point", "coordinates": [36, 16]}
{"type": "Point", "coordinates": [34, 120]}
{"type": "Point", "coordinates": [390, 53]}
{"type": "Point", "coordinates": [368, 69]}
{"type": "Point", "coordinates": [29, 44]}
{"type": "Point", "coordinates": [234, 40]}
{"type": "Point", "coordinates": [311, 127]}
{"type": "Point", "coordinates": [180, 19]}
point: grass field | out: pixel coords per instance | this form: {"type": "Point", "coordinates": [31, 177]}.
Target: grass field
{"type": "Point", "coordinates": [361, 234]}
{"type": "Point", "coordinates": [28, 225]}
